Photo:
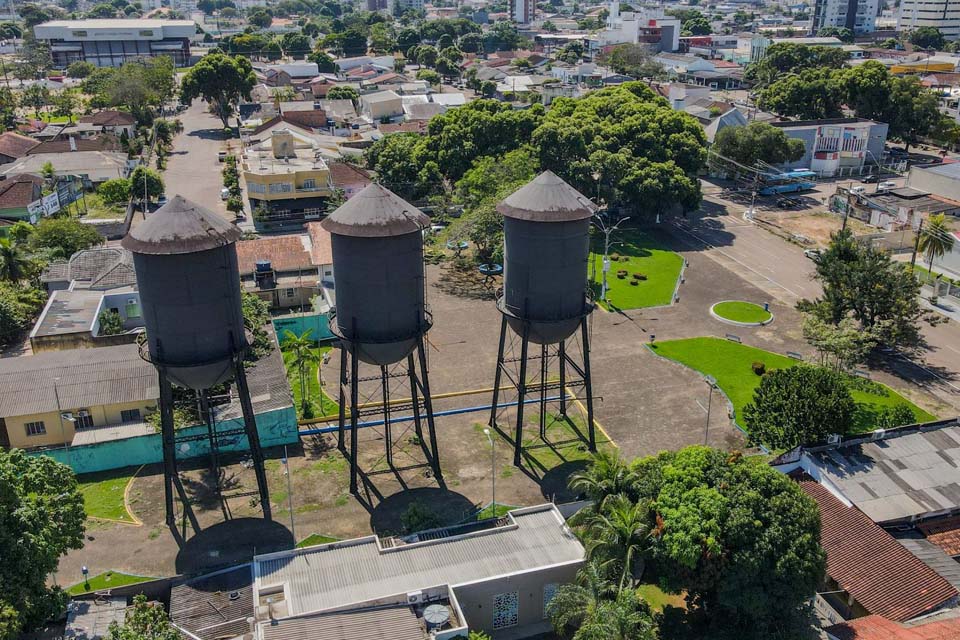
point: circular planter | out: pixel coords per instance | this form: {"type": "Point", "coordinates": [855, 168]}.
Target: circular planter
{"type": "Point", "coordinates": [721, 313]}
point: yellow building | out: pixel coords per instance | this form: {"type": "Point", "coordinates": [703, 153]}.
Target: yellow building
{"type": "Point", "coordinates": [288, 183]}
{"type": "Point", "coordinates": [76, 397]}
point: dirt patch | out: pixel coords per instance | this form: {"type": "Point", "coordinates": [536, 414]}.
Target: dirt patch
{"type": "Point", "coordinates": [818, 226]}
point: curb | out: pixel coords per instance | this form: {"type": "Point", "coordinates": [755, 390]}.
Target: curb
{"type": "Point", "coordinates": [737, 323]}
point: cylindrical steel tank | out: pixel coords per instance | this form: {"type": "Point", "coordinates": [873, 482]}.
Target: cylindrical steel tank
{"type": "Point", "coordinates": [377, 242]}
{"type": "Point", "coordinates": [546, 232]}
{"type": "Point", "coordinates": [185, 257]}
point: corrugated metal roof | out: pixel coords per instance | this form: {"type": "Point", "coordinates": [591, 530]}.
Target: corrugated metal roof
{"type": "Point", "coordinates": [547, 198]}
{"type": "Point", "coordinates": [388, 623]}
{"type": "Point", "coordinates": [87, 377]}
{"type": "Point", "coordinates": [870, 565]}
{"type": "Point", "coordinates": [934, 557]}
{"type": "Point", "coordinates": [375, 212]}
{"type": "Point", "coordinates": [337, 574]}
{"type": "Point", "coordinates": [180, 226]}
{"type": "Point", "coordinates": [899, 476]}
{"type": "Point", "coordinates": [216, 605]}
{"type": "Point", "coordinates": [945, 533]}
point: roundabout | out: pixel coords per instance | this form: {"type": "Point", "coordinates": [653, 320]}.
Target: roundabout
{"type": "Point", "coordinates": [741, 314]}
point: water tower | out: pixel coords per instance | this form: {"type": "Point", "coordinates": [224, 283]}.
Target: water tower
{"type": "Point", "coordinates": [381, 316]}
{"type": "Point", "coordinates": [546, 234]}
{"type": "Point", "coordinates": [185, 257]}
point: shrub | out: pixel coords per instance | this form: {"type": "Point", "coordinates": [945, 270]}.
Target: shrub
{"type": "Point", "coordinates": [634, 283]}
{"type": "Point", "coordinates": [639, 276]}
{"type": "Point", "coordinates": [622, 273]}
{"type": "Point", "coordinates": [759, 368]}
{"type": "Point", "coordinates": [895, 416]}
{"type": "Point", "coordinates": [614, 257]}
{"type": "Point", "coordinates": [621, 276]}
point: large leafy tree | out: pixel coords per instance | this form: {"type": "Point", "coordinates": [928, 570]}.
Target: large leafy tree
{"type": "Point", "coordinates": [595, 610]}
{"type": "Point", "coordinates": [15, 264]}
{"type": "Point", "coordinates": [864, 283]}
{"type": "Point", "coordinates": [41, 518]}
{"type": "Point", "coordinates": [145, 182]}
{"type": "Point", "coordinates": [144, 621]}
{"type": "Point", "coordinates": [927, 38]}
{"type": "Point", "coordinates": [221, 80]}
{"type": "Point", "coordinates": [741, 539]}
{"type": "Point", "coordinates": [633, 60]}
{"type": "Point", "coordinates": [841, 33]}
{"type": "Point", "coordinates": [783, 58]}
{"type": "Point", "coordinates": [757, 142]}
{"type": "Point", "coordinates": [811, 94]}
{"type": "Point", "coordinates": [799, 405]}
{"type": "Point", "coordinates": [62, 237]}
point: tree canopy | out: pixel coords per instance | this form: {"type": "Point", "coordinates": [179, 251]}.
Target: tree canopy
{"type": "Point", "coordinates": [799, 405]}
{"type": "Point", "coordinates": [927, 38]}
{"type": "Point", "coordinates": [784, 57]}
{"type": "Point", "coordinates": [220, 79]}
{"type": "Point", "coordinates": [757, 142]}
{"type": "Point", "coordinates": [62, 237]}
{"type": "Point", "coordinates": [41, 517]}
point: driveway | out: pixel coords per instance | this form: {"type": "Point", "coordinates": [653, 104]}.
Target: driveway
{"type": "Point", "coordinates": [193, 170]}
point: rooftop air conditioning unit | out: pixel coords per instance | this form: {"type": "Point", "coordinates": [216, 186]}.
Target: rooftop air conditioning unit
{"type": "Point", "coordinates": [834, 438]}
{"type": "Point", "coordinates": [82, 413]}
{"type": "Point", "coordinates": [878, 434]}
{"type": "Point", "coordinates": [414, 597]}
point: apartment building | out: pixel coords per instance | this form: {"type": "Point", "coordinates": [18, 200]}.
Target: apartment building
{"type": "Point", "coordinates": [941, 14]}
{"type": "Point", "coordinates": [110, 42]}
{"type": "Point", "coordinates": [860, 16]}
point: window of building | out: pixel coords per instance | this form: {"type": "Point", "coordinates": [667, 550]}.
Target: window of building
{"type": "Point", "coordinates": [280, 187]}
{"type": "Point", "coordinates": [35, 428]}
{"type": "Point", "coordinates": [506, 610]}
{"type": "Point", "coordinates": [82, 419]}
{"type": "Point", "coordinates": [130, 415]}
{"type": "Point", "coordinates": [79, 34]}
{"type": "Point", "coordinates": [146, 33]}
{"type": "Point", "coordinates": [132, 309]}
{"type": "Point", "coordinates": [255, 187]}
{"type": "Point", "coordinates": [310, 183]}
{"type": "Point", "coordinates": [549, 590]}
{"type": "Point", "coordinates": [289, 293]}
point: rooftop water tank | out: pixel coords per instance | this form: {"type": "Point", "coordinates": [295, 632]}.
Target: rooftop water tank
{"type": "Point", "coordinates": [377, 242]}
{"type": "Point", "coordinates": [186, 262]}
{"type": "Point", "coordinates": [546, 234]}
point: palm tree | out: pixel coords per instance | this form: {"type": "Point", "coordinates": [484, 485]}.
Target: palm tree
{"type": "Point", "coordinates": [14, 263]}
{"type": "Point", "coordinates": [935, 239]}
{"type": "Point", "coordinates": [608, 475]}
{"type": "Point", "coordinates": [597, 611]}
{"type": "Point", "coordinates": [619, 535]}
{"type": "Point", "coordinates": [302, 352]}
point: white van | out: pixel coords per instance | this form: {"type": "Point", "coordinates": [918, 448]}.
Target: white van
{"type": "Point", "coordinates": [886, 185]}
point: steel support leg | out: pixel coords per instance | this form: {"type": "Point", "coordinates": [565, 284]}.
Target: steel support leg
{"type": "Point", "coordinates": [387, 429]}
{"type": "Point", "coordinates": [543, 392]}
{"type": "Point", "coordinates": [169, 454]}
{"type": "Point", "coordinates": [499, 372]}
{"type": "Point", "coordinates": [354, 418]}
{"type": "Point", "coordinates": [588, 383]}
{"type": "Point", "coordinates": [563, 378]}
{"type": "Point", "coordinates": [253, 437]}
{"type": "Point", "coordinates": [428, 406]}
{"type": "Point", "coordinates": [212, 437]}
{"type": "Point", "coordinates": [521, 394]}
{"type": "Point", "coordinates": [341, 419]}
{"type": "Point", "coordinates": [414, 397]}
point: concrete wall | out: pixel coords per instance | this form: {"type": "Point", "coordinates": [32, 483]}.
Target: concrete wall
{"type": "Point", "coordinates": [68, 341]}
{"type": "Point", "coordinates": [934, 183]}
{"type": "Point", "coordinates": [476, 600]}
{"type": "Point", "coordinates": [277, 427]}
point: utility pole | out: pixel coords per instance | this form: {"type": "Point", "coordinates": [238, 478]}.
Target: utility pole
{"type": "Point", "coordinates": [493, 469]}
{"type": "Point", "coordinates": [711, 383]}
{"type": "Point", "coordinates": [607, 230]}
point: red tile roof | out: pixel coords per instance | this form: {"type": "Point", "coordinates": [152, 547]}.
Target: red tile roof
{"type": "Point", "coordinates": [285, 253]}
{"type": "Point", "coordinates": [313, 119]}
{"type": "Point", "coordinates": [109, 118]}
{"type": "Point", "coordinates": [870, 565]}
{"type": "Point", "coordinates": [18, 191]}
{"type": "Point", "coordinates": [944, 533]}
{"type": "Point", "coordinates": [15, 145]}
{"type": "Point", "coordinates": [342, 173]}
{"type": "Point", "coordinates": [106, 142]}
{"type": "Point", "coordinates": [879, 628]}
{"type": "Point", "coordinates": [321, 250]}
{"type": "Point", "coordinates": [403, 127]}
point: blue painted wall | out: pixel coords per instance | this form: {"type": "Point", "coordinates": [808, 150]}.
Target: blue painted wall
{"type": "Point", "coordinates": [277, 427]}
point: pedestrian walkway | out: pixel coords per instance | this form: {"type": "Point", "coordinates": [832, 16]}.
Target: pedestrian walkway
{"type": "Point", "coordinates": [947, 306]}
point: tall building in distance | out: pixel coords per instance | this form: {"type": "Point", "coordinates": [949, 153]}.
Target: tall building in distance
{"type": "Point", "coordinates": [521, 11]}
{"type": "Point", "coordinates": [403, 5]}
{"type": "Point", "coordinates": [860, 16]}
{"type": "Point", "coordinates": [941, 14]}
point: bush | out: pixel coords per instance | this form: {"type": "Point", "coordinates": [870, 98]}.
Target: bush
{"type": "Point", "coordinates": [639, 276]}
{"type": "Point", "coordinates": [622, 273]}
{"type": "Point", "coordinates": [116, 190]}
{"type": "Point", "coordinates": [418, 517]}
{"type": "Point", "coordinates": [759, 368]}
{"type": "Point", "coordinates": [614, 257]}
{"type": "Point", "coordinates": [621, 276]}
{"type": "Point", "coordinates": [895, 416]}
{"type": "Point", "coordinates": [634, 283]}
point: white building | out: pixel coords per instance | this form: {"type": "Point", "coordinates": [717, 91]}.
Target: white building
{"type": "Point", "coordinates": [652, 28]}
{"type": "Point", "coordinates": [409, 4]}
{"type": "Point", "coordinates": [860, 16]}
{"type": "Point", "coordinates": [110, 43]}
{"type": "Point", "coordinates": [521, 11]}
{"type": "Point", "coordinates": [942, 14]}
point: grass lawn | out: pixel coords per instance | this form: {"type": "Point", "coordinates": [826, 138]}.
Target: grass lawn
{"type": "Point", "coordinates": [487, 511]}
{"type": "Point", "coordinates": [320, 404]}
{"type": "Point", "coordinates": [564, 438]}
{"type": "Point", "coordinates": [314, 539]}
{"type": "Point", "coordinates": [105, 580]}
{"type": "Point", "coordinates": [97, 209]}
{"type": "Point", "coordinates": [739, 311]}
{"type": "Point", "coordinates": [103, 494]}
{"type": "Point", "coordinates": [730, 363]}
{"type": "Point", "coordinates": [657, 598]}
{"type": "Point", "coordinates": [52, 119]}
{"type": "Point", "coordinates": [639, 253]}
{"type": "Point", "coordinates": [920, 269]}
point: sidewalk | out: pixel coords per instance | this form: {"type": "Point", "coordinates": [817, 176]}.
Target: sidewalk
{"type": "Point", "coordinates": [946, 306]}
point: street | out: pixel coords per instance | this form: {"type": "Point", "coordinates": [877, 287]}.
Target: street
{"type": "Point", "coordinates": [781, 270]}
{"type": "Point", "coordinates": [193, 170]}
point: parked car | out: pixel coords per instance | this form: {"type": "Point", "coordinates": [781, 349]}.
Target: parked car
{"type": "Point", "coordinates": [224, 194]}
{"type": "Point", "coordinates": [162, 200]}
{"type": "Point", "coordinates": [221, 156]}
{"type": "Point", "coordinates": [871, 179]}
{"type": "Point", "coordinates": [885, 185]}
{"type": "Point", "coordinates": [813, 254]}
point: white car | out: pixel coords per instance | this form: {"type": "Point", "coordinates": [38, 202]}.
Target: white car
{"type": "Point", "coordinates": [224, 194]}
{"type": "Point", "coordinates": [886, 185]}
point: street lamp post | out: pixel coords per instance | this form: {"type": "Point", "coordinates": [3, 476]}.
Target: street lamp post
{"type": "Point", "coordinates": [607, 231]}
{"type": "Point", "coordinates": [63, 432]}
{"type": "Point", "coordinates": [493, 469]}
{"type": "Point", "coordinates": [711, 383]}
